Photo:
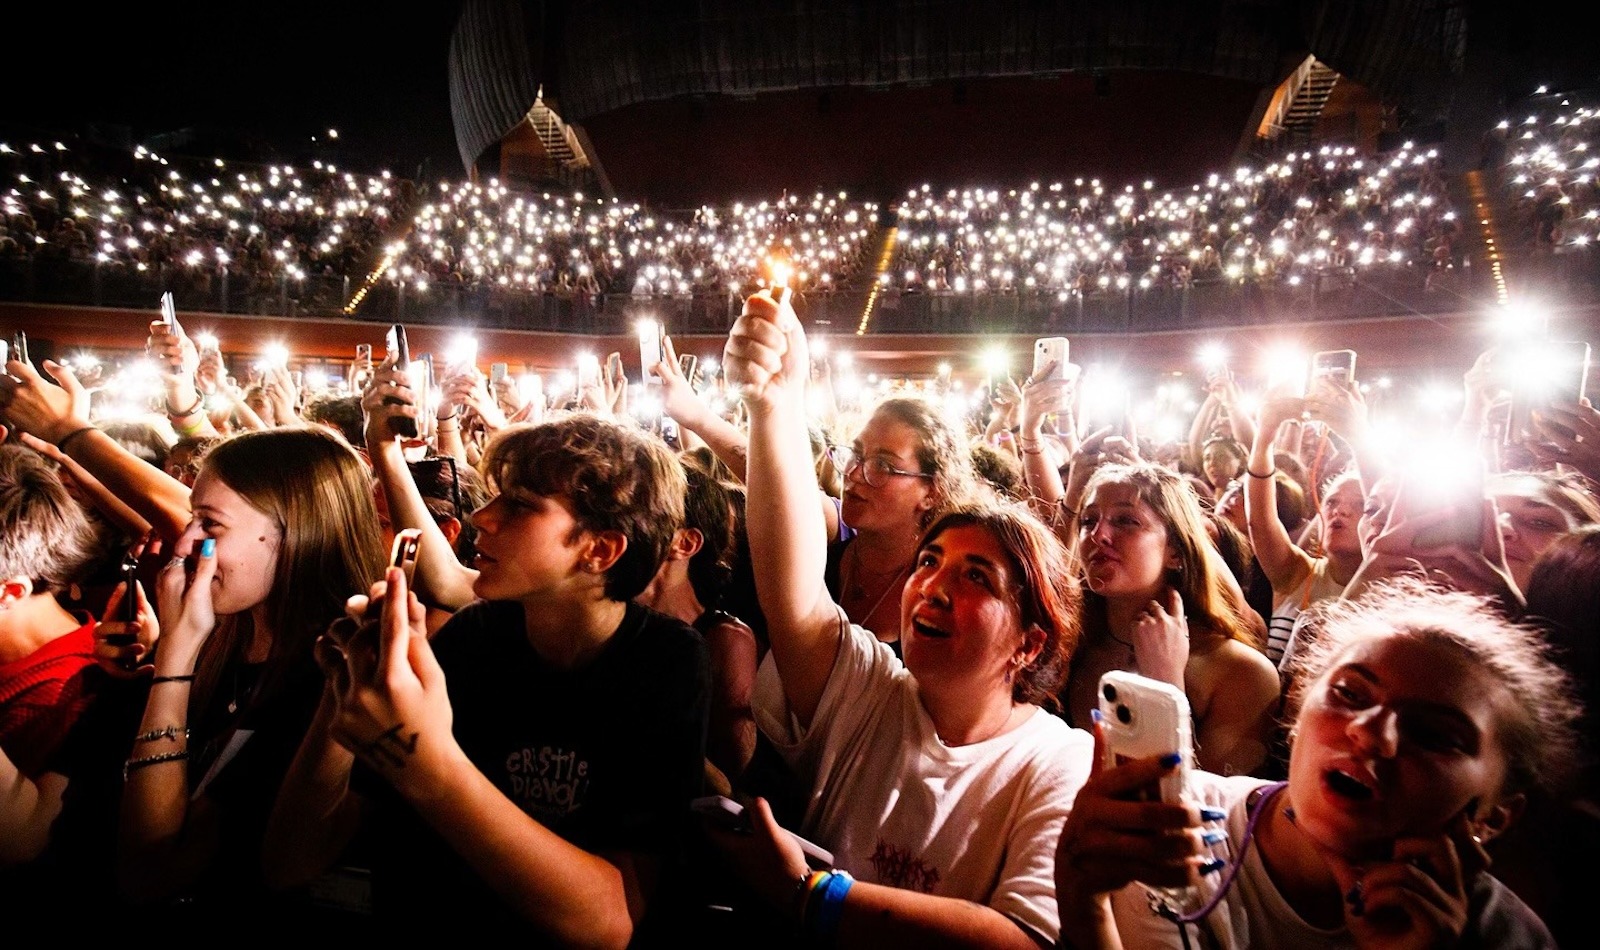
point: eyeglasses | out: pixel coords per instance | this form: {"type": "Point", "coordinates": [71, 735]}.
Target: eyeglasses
{"type": "Point", "coordinates": [874, 470]}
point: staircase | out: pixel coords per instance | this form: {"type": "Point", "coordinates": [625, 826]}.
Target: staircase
{"type": "Point", "coordinates": [559, 141]}
{"type": "Point", "coordinates": [1291, 120]}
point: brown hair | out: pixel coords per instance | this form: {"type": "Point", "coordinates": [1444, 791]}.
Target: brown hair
{"type": "Point", "coordinates": [1047, 592]}
{"type": "Point", "coordinates": [616, 479]}
{"type": "Point", "coordinates": [941, 450]}
{"type": "Point", "coordinates": [44, 534]}
{"type": "Point", "coordinates": [315, 488]}
{"type": "Point", "coordinates": [1537, 713]}
{"type": "Point", "coordinates": [1207, 601]}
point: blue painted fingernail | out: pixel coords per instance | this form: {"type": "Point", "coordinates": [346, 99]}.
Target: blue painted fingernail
{"type": "Point", "coordinates": [1214, 837]}
{"type": "Point", "coordinates": [1212, 814]}
{"type": "Point", "coordinates": [1171, 760]}
{"type": "Point", "coordinates": [1213, 866]}
{"type": "Point", "coordinates": [208, 547]}
{"type": "Point", "coordinates": [1096, 716]}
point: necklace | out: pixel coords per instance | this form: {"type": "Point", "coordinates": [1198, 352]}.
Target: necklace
{"type": "Point", "coordinates": [858, 590]}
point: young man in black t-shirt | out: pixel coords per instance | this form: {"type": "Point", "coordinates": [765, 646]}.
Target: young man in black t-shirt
{"type": "Point", "coordinates": [537, 758]}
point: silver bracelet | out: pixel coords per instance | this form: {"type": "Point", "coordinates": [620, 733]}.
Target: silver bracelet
{"type": "Point", "coordinates": [170, 732]}
{"type": "Point", "coordinates": [134, 765]}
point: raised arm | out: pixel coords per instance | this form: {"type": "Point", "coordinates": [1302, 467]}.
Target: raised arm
{"type": "Point", "coordinates": [766, 356]}
{"type": "Point", "coordinates": [1285, 565]}
{"type": "Point", "coordinates": [684, 405]}
{"type": "Point", "coordinates": [441, 579]}
{"type": "Point", "coordinates": [54, 414]}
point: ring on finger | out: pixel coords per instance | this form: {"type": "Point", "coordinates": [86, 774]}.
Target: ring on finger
{"type": "Point", "coordinates": [175, 562]}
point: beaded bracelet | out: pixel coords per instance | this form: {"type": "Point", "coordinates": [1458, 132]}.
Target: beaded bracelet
{"type": "Point", "coordinates": [134, 765]}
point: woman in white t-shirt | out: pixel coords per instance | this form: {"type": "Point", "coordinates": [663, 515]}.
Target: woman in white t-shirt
{"type": "Point", "coordinates": [1424, 718]}
{"type": "Point", "coordinates": [940, 784]}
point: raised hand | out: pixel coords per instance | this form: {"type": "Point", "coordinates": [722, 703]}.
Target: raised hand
{"type": "Point", "coordinates": [122, 648]}
{"type": "Point", "coordinates": [32, 404]}
{"type": "Point", "coordinates": [766, 358]}
{"type": "Point", "coordinates": [1160, 637]}
{"type": "Point", "coordinates": [187, 616]}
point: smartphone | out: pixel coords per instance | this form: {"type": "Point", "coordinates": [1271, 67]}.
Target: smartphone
{"type": "Point", "coordinates": [588, 370]}
{"type": "Point", "coordinates": [688, 365]}
{"type": "Point", "coordinates": [169, 312]}
{"type": "Point", "coordinates": [649, 351]}
{"type": "Point", "coordinates": [729, 815]}
{"type": "Point", "coordinates": [298, 378]}
{"type": "Point", "coordinates": [5, 352]}
{"type": "Point", "coordinates": [1143, 717]}
{"type": "Point", "coordinates": [1051, 349]}
{"type": "Point", "coordinates": [497, 372]}
{"type": "Point", "coordinates": [128, 611]}
{"type": "Point", "coordinates": [398, 353]}
{"type": "Point", "coordinates": [1453, 484]}
{"type": "Point", "coordinates": [531, 386]}
{"type": "Point", "coordinates": [19, 346]}
{"type": "Point", "coordinates": [403, 554]}
{"type": "Point", "coordinates": [1337, 364]}
{"type": "Point", "coordinates": [1545, 372]}
{"type": "Point", "coordinates": [364, 352]}
{"type": "Point", "coordinates": [614, 367]}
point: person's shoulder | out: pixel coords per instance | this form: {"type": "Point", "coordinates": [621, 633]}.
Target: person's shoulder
{"type": "Point", "coordinates": [466, 628]}
{"type": "Point", "coordinates": [1499, 918]}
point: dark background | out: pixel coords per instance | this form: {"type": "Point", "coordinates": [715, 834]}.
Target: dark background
{"type": "Point", "coordinates": [269, 75]}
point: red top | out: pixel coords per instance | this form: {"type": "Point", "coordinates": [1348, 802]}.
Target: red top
{"type": "Point", "coordinates": [42, 695]}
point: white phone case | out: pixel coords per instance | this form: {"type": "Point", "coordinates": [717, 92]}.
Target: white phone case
{"type": "Point", "coordinates": [1143, 718]}
{"type": "Point", "coordinates": [1048, 349]}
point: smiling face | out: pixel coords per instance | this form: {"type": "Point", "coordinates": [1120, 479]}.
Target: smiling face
{"type": "Point", "coordinates": [960, 623]}
{"type": "Point", "coordinates": [1396, 739]}
{"type": "Point", "coordinates": [247, 544]}
{"type": "Point", "coordinates": [901, 502]}
{"type": "Point", "coordinates": [1123, 544]}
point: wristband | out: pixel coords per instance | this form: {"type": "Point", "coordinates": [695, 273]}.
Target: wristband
{"type": "Point", "coordinates": [824, 923]}
{"type": "Point", "coordinates": [171, 679]}
{"type": "Point", "coordinates": [1259, 475]}
{"type": "Point", "coordinates": [199, 404]}
{"type": "Point", "coordinates": [62, 443]}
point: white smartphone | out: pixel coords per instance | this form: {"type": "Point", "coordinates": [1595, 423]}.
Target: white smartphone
{"type": "Point", "coordinates": [1337, 364]}
{"type": "Point", "coordinates": [169, 311]}
{"type": "Point", "coordinates": [730, 815]}
{"type": "Point", "coordinates": [588, 370]}
{"type": "Point", "coordinates": [649, 350]}
{"type": "Point", "coordinates": [1051, 349]}
{"type": "Point", "coordinates": [497, 372]}
{"type": "Point", "coordinates": [1544, 372]}
{"type": "Point", "coordinates": [1143, 717]}
{"type": "Point", "coordinates": [403, 554]}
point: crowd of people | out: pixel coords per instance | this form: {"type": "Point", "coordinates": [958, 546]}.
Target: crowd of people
{"type": "Point", "coordinates": [1325, 214]}
{"type": "Point", "coordinates": [890, 628]}
{"type": "Point", "coordinates": [1323, 218]}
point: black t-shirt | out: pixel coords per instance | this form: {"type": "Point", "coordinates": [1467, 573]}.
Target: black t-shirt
{"type": "Point", "coordinates": [607, 756]}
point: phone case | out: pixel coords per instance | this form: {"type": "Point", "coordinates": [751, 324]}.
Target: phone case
{"type": "Point", "coordinates": [1048, 349]}
{"type": "Point", "coordinates": [1143, 718]}
{"type": "Point", "coordinates": [1340, 363]}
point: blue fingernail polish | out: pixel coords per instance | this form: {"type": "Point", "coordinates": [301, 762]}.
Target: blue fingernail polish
{"type": "Point", "coordinates": [1212, 814]}
{"type": "Point", "coordinates": [1213, 866]}
{"type": "Point", "coordinates": [1214, 837]}
{"type": "Point", "coordinates": [1171, 760]}
{"type": "Point", "coordinates": [208, 547]}
{"type": "Point", "coordinates": [1096, 716]}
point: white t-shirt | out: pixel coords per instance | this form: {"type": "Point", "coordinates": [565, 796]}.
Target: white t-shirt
{"type": "Point", "coordinates": [1254, 914]}
{"type": "Point", "coordinates": [896, 806]}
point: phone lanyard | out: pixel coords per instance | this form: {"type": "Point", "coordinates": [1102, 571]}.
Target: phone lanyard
{"type": "Point", "coordinates": [1164, 909]}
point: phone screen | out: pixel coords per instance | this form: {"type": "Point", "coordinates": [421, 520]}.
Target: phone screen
{"type": "Point", "coordinates": [1339, 364]}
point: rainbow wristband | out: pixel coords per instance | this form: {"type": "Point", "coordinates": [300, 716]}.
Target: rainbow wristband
{"type": "Point", "coordinates": [830, 906]}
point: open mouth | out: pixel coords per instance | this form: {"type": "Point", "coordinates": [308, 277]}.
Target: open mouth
{"type": "Point", "coordinates": [925, 630]}
{"type": "Point", "coordinates": [1345, 785]}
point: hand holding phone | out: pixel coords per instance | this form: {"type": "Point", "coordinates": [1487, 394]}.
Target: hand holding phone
{"type": "Point", "coordinates": [729, 815]}
{"type": "Point", "coordinates": [403, 553]}
{"type": "Point", "coordinates": [398, 354]}
{"type": "Point", "coordinates": [1143, 718]}
{"type": "Point", "coordinates": [1051, 351]}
